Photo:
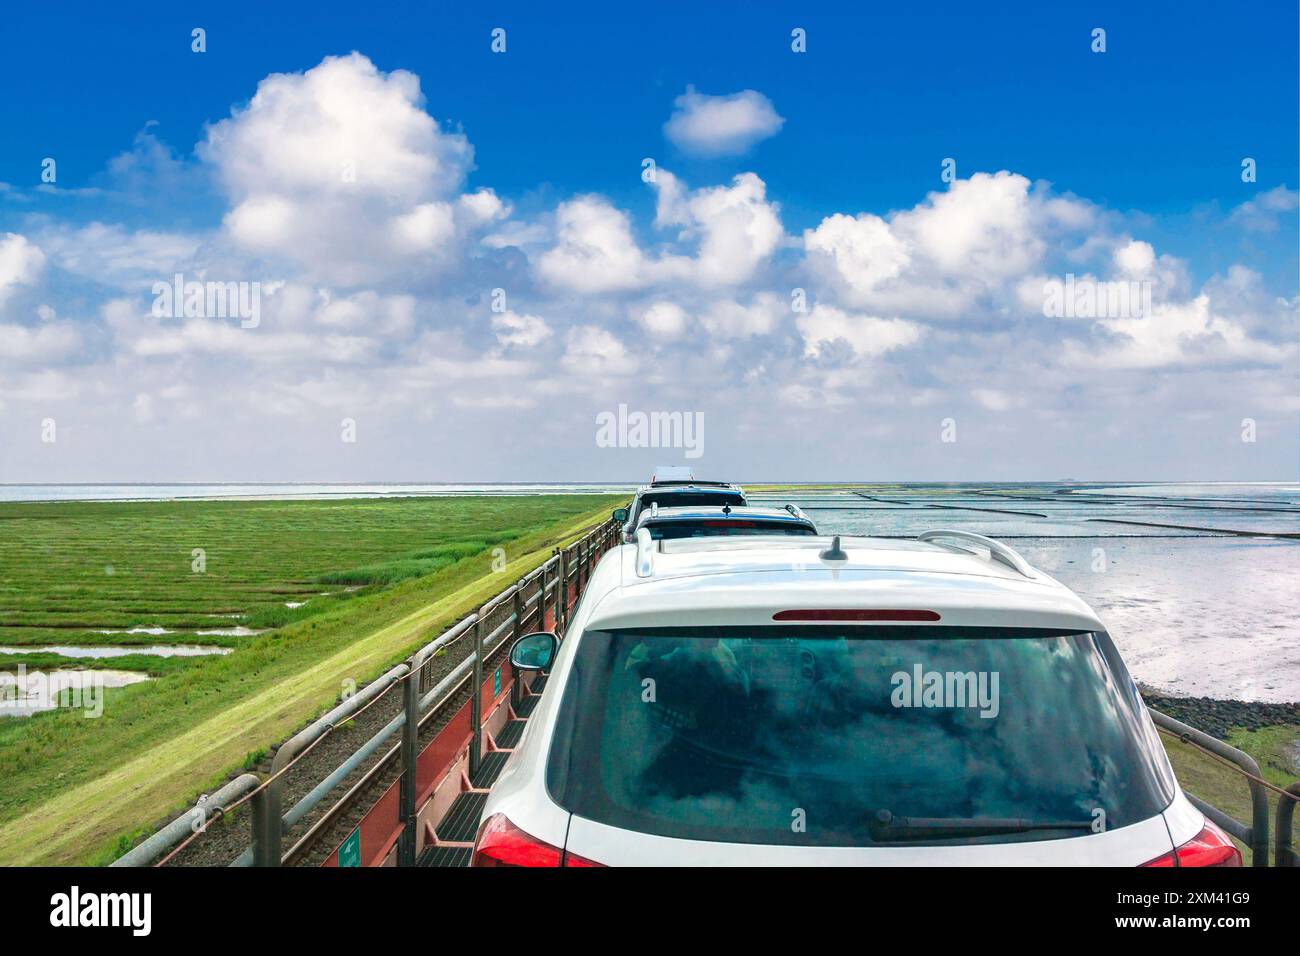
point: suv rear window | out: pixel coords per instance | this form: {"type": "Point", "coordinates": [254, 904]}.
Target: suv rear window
{"type": "Point", "coordinates": [721, 527]}
{"type": "Point", "coordinates": [676, 499]}
{"type": "Point", "coordinates": [802, 735]}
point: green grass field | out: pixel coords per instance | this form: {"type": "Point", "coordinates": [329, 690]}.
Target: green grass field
{"type": "Point", "coordinates": [73, 787]}
{"type": "Point", "coordinates": [71, 569]}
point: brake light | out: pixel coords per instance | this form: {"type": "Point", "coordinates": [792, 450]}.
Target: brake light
{"type": "Point", "coordinates": [854, 614]}
{"type": "Point", "coordinates": [501, 843]}
{"type": "Point", "coordinates": [1210, 847]}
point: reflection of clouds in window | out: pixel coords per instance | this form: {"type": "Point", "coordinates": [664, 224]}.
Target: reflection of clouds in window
{"type": "Point", "coordinates": [743, 730]}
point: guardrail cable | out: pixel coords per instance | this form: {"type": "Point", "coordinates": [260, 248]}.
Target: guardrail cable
{"type": "Point", "coordinates": [222, 811]}
{"type": "Point", "coordinates": [1280, 791]}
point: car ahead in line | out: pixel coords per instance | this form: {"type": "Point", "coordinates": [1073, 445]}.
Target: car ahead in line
{"type": "Point", "coordinates": [677, 494]}
{"type": "Point", "coordinates": [809, 701]}
{"type": "Point", "coordinates": [671, 523]}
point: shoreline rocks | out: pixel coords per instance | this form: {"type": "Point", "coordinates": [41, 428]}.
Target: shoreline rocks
{"type": "Point", "coordinates": [1218, 717]}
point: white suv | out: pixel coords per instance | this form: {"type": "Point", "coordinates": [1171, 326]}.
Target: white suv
{"type": "Point", "coordinates": [806, 701]}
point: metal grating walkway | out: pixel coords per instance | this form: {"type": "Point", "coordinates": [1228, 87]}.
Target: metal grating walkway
{"type": "Point", "coordinates": [460, 825]}
{"type": "Point", "coordinates": [490, 769]}
{"type": "Point", "coordinates": [445, 856]}
{"type": "Point", "coordinates": [510, 734]}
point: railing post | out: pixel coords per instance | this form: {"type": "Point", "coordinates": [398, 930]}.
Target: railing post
{"type": "Point", "coordinates": [541, 599]}
{"type": "Point", "coordinates": [272, 825]}
{"type": "Point", "coordinates": [476, 701]}
{"type": "Point", "coordinates": [562, 593]}
{"type": "Point", "coordinates": [1285, 856]}
{"type": "Point", "coordinates": [266, 831]}
{"type": "Point", "coordinates": [518, 630]}
{"type": "Point", "coordinates": [410, 756]}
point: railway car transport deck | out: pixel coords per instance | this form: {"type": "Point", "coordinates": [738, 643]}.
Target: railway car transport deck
{"type": "Point", "coordinates": [439, 774]}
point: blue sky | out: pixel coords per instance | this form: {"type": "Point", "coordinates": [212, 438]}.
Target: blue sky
{"type": "Point", "coordinates": [1147, 137]}
{"type": "Point", "coordinates": [1152, 124]}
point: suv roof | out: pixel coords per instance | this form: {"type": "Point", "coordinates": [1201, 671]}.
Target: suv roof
{"type": "Point", "coordinates": [730, 580]}
{"type": "Point", "coordinates": [724, 512]}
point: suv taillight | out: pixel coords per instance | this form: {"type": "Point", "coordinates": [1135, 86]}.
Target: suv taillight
{"type": "Point", "coordinates": [501, 843]}
{"type": "Point", "coordinates": [1210, 847]}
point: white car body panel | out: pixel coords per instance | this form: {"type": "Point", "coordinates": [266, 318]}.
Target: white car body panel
{"type": "Point", "coordinates": [1128, 846]}
{"type": "Point", "coordinates": [1183, 819]}
{"type": "Point", "coordinates": [745, 580]}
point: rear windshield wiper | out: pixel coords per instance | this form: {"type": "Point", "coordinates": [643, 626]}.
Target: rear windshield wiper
{"type": "Point", "coordinates": [885, 825]}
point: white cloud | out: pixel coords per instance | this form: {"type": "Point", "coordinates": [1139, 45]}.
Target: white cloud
{"type": "Point", "coordinates": [366, 312]}
{"type": "Point", "coordinates": [151, 172]}
{"type": "Point", "coordinates": [40, 343]}
{"type": "Point", "coordinates": [303, 133]}
{"type": "Point", "coordinates": [591, 351]}
{"type": "Point", "coordinates": [1135, 258]}
{"type": "Point", "coordinates": [21, 263]}
{"type": "Point", "coordinates": [664, 320]}
{"type": "Point", "coordinates": [427, 227]}
{"type": "Point", "coordinates": [727, 319]}
{"type": "Point", "coordinates": [342, 171]}
{"type": "Point", "coordinates": [524, 331]}
{"type": "Point", "coordinates": [143, 407]}
{"type": "Point", "coordinates": [115, 255]}
{"type": "Point", "coordinates": [721, 125]}
{"type": "Point", "coordinates": [993, 399]}
{"type": "Point", "coordinates": [982, 226]}
{"type": "Point", "coordinates": [594, 251]}
{"type": "Point", "coordinates": [940, 258]}
{"type": "Point", "coordinates": [143, 335]}
{"type": "Point", "coordinates": [1180, 333]}
{"type": "Point", "coordinates": [208, 337]}
{"type": "Point", "coordinates": [862, 250]}
{"type": "Point", "coordinates": [525, 235]}
{"type": "Point", "coordinates": [43, 387]}
{"type": "Point", "coordinates": [482, 207]}
{"type": "Point", "coordinates": [736, 227]}
{"type": "Point", "coordinates": [868, 336]}
{"type": "Point", "coordinates": [1262, 213]}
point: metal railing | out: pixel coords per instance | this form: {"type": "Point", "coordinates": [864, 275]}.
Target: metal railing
{"type": "Point", "coordinates": [550, 586]}
{"type": "Point", "coordinates": [1254, 835]}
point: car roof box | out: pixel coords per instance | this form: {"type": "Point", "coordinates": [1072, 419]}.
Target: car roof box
{"type": "Point", "coordinates": [671, 473]}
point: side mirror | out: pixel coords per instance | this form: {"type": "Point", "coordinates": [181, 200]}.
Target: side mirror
{"type": "Point", "coordinates": [534, 652]}
{"type": "Point", "coordinates": [620, 515]}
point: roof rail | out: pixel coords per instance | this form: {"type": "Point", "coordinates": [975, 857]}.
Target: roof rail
{"type": "Point", "coordinates": [693, 482]}
{"type": "Point", "coordinates": [997, 550]}
{"type": "Point", "coordinates": [645, 553]}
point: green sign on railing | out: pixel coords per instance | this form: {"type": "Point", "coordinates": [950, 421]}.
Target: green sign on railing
{"type": "Point", "coordinates": [496, 682]}
{"type": "Point", "coordinates": [350, 851]}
